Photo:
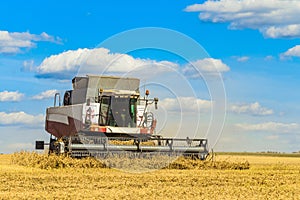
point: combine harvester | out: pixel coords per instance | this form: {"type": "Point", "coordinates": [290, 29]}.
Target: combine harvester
{"type": "Point", "coordinates": [105, 115]}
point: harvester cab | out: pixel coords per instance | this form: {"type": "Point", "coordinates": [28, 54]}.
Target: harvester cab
{"type": "Point", "coordinates": [105, 114]}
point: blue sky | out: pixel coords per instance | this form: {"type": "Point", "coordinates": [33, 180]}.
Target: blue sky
{"type": "Point", "coordinates": [249, 48]}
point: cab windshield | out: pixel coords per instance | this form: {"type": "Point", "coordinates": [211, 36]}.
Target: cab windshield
{"type": "Point", "coordinates": [118, 111]}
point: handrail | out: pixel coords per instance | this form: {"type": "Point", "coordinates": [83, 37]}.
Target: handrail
{"type": "Point", "coordinates": [55, 97]}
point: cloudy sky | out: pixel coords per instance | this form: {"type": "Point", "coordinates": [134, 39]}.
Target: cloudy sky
{"type": "Point", "coordinates": [226, 70]}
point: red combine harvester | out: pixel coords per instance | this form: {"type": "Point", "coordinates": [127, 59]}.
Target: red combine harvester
{"type": "Point", "coordinates": [105, 114]}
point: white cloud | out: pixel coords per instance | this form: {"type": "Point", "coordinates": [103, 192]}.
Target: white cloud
{"type": "Point", "coordinates": [28, 65]}
{"type": "Point", "coordinates": [268, 58]}
{"type": "Point", "coordinates": [283, 31]}
{"type": "Point", "coordinates": [208, 66]}
{"type": "Point", "coordinates": [21, 118]}
{"type": "Point", "coordinates": [242, 59]}
{"type": "Point", "coordinates": [292, 52]}
{"type": "Point", "coordinates": [11, 96]}
{"type": "Point", "coordinates": [185, 104]}
{"type": "Point", "coordinates": [14, 42]}
{"type": "Point", "coordinates": [98, 61]}
{"type": "Point", "coordinates": [101, 61]}
{"type": "Point", "coordinates": [45, 95]}
{"type": "Point", "coordinates": [274, 127]}
{"type": "Point", "coordinates": [274, 18]}
{"type": "Point", "coordinates": [252, 109]}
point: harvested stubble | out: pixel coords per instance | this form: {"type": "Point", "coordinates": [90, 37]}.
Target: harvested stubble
{"type": "Point", "coordinates": [268, 178]}
{"type": "Point", "coordinates": [184, 163]}
{"type": "Point", "coordinates": [44, 161]}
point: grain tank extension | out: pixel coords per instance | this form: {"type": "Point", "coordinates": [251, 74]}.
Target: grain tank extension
{"type": "Point", "coordinates": [105, 114]}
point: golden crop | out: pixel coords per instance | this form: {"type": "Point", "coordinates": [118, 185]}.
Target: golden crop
{"type": "Point", "coordinates": [22, 177]}
{"type": "Point", "coordinates": [123, 161]}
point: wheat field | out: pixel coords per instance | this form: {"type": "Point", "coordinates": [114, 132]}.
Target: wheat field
{"type": "Point", "coordinates": [256, 177]}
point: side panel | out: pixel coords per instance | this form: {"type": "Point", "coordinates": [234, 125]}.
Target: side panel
{"type": "Point", "coordinates": [64, 120]}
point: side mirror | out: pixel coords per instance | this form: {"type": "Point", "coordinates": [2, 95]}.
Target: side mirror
{"type": "Point", "coordinates": [155, 102]}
